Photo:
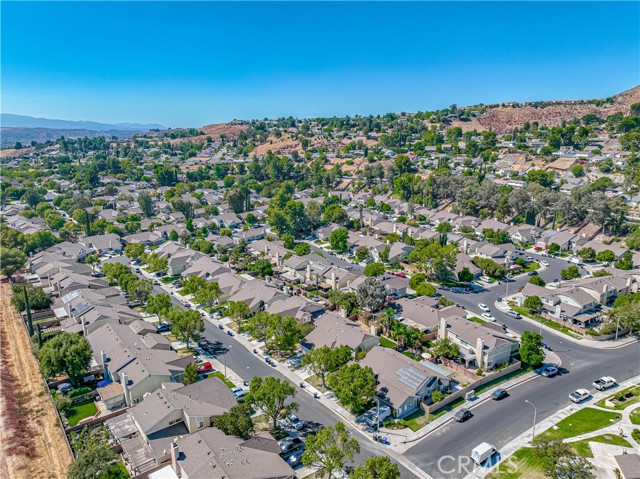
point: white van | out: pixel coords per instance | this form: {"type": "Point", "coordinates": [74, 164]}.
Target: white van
{"type": "Point", "coordinates": [482, 452]}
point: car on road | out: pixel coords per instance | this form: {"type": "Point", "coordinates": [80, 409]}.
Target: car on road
{"type": "Point", "coordinates": [499, 394]}
{"type": "Point", "coordinates": [486, 279]}
{"type": "Point", "coordinates": [482, 452]}
{"type": "Point", "coordinates": [544, 263]}
{"type": "Point", "coordinates": [488, 317]}
{"type": "Point", "coordinates": [529, 259]}
{"type": "Point", "coordinates": [64, 388]}
{"type": "Point", "coordinates": [484, 307]}
{"type": "Point", "coordinates": [400, 275]}
{"type": "Point", "coordinates": [295, 459]}
{"type": "Point", "coordinates": [514, 314]}
{"type": "Point", "coordinates": [532, 273]}
{"type": "Point", "coordinates": [295, 422]}
{"type": "Point", "coordinates": [579, 395]}
{"type": "Point", "coordinates": [604, 383]}
{"type": "Point", "coordinates": [462, 415]}
{"type": "Point", "coordinates": [163, 328]}
{"type": "Point", "coordinates": [205, 368]}
{"type": "Point", "coordinates": [239, 394]}
{"type": "Point", "coordinates": [550, 371]}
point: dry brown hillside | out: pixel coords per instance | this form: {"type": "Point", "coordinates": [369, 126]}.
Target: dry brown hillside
{"type": "Point", "coordinates": [229, 130]}
{"type": "Point", "coordinates": [505, 119]}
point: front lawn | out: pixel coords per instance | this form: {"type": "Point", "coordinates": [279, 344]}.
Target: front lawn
{"type": "Point", "coordinates": [419, 419]}
{"type": "Point", "coordinates": [477, 320]}
{"type": "Point", "coordinates": [583, 449]}
{"type": "Point", "coordinates": [635, 417]}
{"type": "Point", "coordinates": [503, 379]}
{"type": "Point", "coordinates": [80, 412]}
{"type": "Point", "coordinates": [221, 376]}
{"type": "Point", "coordinates": [169, 279]}
{"type": "Point", "coordinates": [583, 421]}
{"type": "Point", "coordinates": [547, 322]}
{"type": "Point", "coordinates": [627, 397]}
{"type": "Point", "coordinates": [528, 466]}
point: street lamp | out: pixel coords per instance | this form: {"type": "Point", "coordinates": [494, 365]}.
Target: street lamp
{"type": "Point", "coordinates": [224, 357]}
{"type": "Point", "coordinates": [535, 414]}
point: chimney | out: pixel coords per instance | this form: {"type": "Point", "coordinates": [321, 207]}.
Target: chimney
{"type": "Point", "coordinates": [84, 328]}
{"type": "Point", "coordinates": [442, 329]}
{"type": "Point", "coordinates": [334, 284]}
{"type": "Point", "coordinates": [175, 453]}
{"type": "Point", "coordinates": [266, 249]}
{"type": "Point", "coordinates": [277, 258]}
{"type": "Point", "coordinates": [465, 247]}
{"type": "Point", "coordinates": [105, 369]}
{"type": "Point", "coordinates": [125, 388]}
{"type": "Point", "coordinates": [410, 232]}
{"type": "Point", "coordinates": [395, 227]}
{"type": "Point", "coordinates": [479, 348]}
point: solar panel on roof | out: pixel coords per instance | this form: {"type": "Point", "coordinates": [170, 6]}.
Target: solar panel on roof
{"type": "Point", "coordinates": [411, 377]}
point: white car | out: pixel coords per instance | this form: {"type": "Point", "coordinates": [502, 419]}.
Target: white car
{"type": "Point", "coordinates": [604, 383]}
{"type": "Point", "coordinates": [488, 317]}
{"type": "Point", "coordinates": [484, 307]}
{"type": "Point", "coordinates": [544, 263]}
{"type": "Point", "coordinates": [579, 395]}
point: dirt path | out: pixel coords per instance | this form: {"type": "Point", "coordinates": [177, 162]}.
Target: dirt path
{"type": "Point", "coordinates": [36, 448]}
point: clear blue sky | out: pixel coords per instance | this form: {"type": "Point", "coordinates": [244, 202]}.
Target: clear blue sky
{"type": "Point", "coordinates": [189, 64]}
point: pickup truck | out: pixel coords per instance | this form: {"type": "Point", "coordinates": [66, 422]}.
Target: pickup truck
{"type": "Point", "coordinates": [604, 383]}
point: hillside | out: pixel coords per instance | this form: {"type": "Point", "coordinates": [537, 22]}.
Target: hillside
{"type": "Point", "coordinates": [9, 136]}
{"type": "Point", "coordinates": [9, 120]}
{"type": "Point", "coordinates": [505, 119]}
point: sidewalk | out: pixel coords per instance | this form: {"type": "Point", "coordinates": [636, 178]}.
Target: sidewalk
{"type": "Point", "coordinates": [525, 438]}
{"type": "Point", "coordinates": [589, 343]}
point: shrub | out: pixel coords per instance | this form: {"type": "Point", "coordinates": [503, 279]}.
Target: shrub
{"type": "Point", "coordinates": [437, 396]}
{"type": "Point", "coordinates": [79, 391]}
{"type": "Point", "coordinates": [416, 279]}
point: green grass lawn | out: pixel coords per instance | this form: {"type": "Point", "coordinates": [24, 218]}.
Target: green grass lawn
{"type": "Point", "coordinates": [503, 379]}
{"type": "Point", "coordinates": [583, 421]}
{"type": "Point", "coordinates": [528, 466]}
{"type": "Point", "coordinates": [634, 391]}
{"type": "Point", "coordinates": [220, 376]}
{"type": "Point", "coordinates": [387, 343]}
{"type": "Point", "coordinates": [583, 449]}
{"type": "Point", "coordinates": [477, 320]}
{"type": "Point", "coordinates": [169, 279]}
{"type": "Point", "coordinates": [419, 419]}
{"type": "Point", "coordinates": [547, 322]}
{"type": "Point", "coordinates": [80, 412]}
{"type": "Point", "coordinates": [635, 417]}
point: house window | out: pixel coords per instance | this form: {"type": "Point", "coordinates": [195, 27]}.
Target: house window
{"type": "Point", "coordinates": [200, 424]}
{"type": "Point", "coordinates": [175, 421]}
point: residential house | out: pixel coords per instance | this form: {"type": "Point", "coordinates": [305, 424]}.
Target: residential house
{"type": "Point", "coordinates": [333, 330]}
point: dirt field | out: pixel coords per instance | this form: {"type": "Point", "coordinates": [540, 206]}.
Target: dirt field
{"type": "Point", "coordinates": [32, 444]}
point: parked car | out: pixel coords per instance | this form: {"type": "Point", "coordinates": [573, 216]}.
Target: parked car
{"type": "Point", "coordinates": [544, 263]}
{"type": "Point", "coordinates": [514, 314]}
{"type": "Point", "coordinates": [532, 273]}
{"type": "Point", "coordinates": [579, 395]}
{"type": "Point", "coordinates": [482, 452]}
{"type": "Point", "coordinates": [499, 394]}
{"type": "Point", "coordinates": [163, 328]}
{"type": "Point", "coordinates": [486, 279]}
{"type": "Point", "coordinates": [295, 422]}
{"type": "Point", "coordinates": [604, 383]}
{"type": "Point", "coordinates": [462, 415]}
{"type": "Point", "coordinates": [239, 393]}
{"type": "Point", "coordinates": [550, 371]}
{"type": "Point", "coordinates": [205, 368]}
{"type": "Point", "coordinates": [488, 317]}
{"type": "Point", "coordinates": [64, 388]}
{"type": "Point", "coordinates": [295, 459]}
{"type": "Point", "coordinates": [289, 445]}
{"type": "Point", "coordinates": [484, 307]}
{"type": "Point", "coordinates": [529, 259]}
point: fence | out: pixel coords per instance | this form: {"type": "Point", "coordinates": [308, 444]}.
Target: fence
{"type": "Point", "coordinates": [480, 382]}
{"type": "Point", "coordinates": [459, 368]}
{"type": "Point", "coordinates": [97, 421]}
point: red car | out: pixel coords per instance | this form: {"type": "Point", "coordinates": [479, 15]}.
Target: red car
{"type": "Point", "coordinates": [401, 275]}
{"type": "Point", "coordinates": [205, 368]}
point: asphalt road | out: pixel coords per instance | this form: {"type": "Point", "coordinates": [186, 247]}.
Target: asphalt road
{"type": "Point", "coordinates": [499, 422]}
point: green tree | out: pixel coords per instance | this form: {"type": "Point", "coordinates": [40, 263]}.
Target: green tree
{"type": "Point", "coordinates": [533, 304]}
{"type": "Point", "coordinates": [66, 353]}
{"type": "Point", "coordinates": [531, 350]}
{"type": "Point", "coordinates": [134, 250]}
{"type": "Point", "coordinates": [425, 289]}
{"type": "Point", "coordinates": [559, 460]}
{"type": "Point", "coordinates": [465, 275]}
{"type": "Point", "coordinates": [159, 304]}
{"type": "Point", "coordinates": [208, 294]}
{"type": "Point", "coordinates": [625, 262]}
{"type": "Point", "coordinates": [193, 284]}
{"type": "Point", "coordinates": [553, 248]}
{"type": "Point", "coordinates": [362, 253]}
{"type": "Point", "coordinates": [263, 267]}
{"type": "Point", "coordinates": [353, 385]}
{"type": "Point", "coordinates": [92, 260]}
{"type": "Point", "coordinates": [321, 361]}
{"type": "Point", "coordinates": [446, 348]}
{"type": "Point", "coordinates": [146, 204]}
{"type": "Point", "coordinates": [416, 279]}
{"type": "Point", "coordinates": [238, 310]}
{"type": "Point", "coordinates": [190, 375]}
{"type": "Point", "coordinates": [330, 450]}
{"type": "Point", "coordinates": [186, 325]}
{"type": "Point", "coordinates": [628, 314]}
{"type": "Point", "coordinates": [271, 396]}
{"type": "Point", "coordinates": [633, 239]}
{"type": "Point", "coordinates": [11, 260]}
{"type": "Point", "coordinates": [587, 254]}
{"type": "Point", "coordinates": [338, 239]}
{"type": "Point", "coordinates": [302, 249]}
{"type": "Point", "coordinates": [572, 272]}
{"type": "Point", "coordinates": [97, 462]}
{"type": "Point", "coordinates": [537, 280]}
{"type": "Point", "coordinates": [577, 170]}
{"type": "Point", "coordinates": [38, 299]}
{"type": "Point", "coordinates": [140, 289]}
{"type": "Point", "coordinates": [371, 294]}
{"type": "Point", "coordinates": [236, 421]}
{"type": "Point", "coordinates": [282, 334]}
{"type": "Point", "coordinates": [606, 256]}
{"type": "Point", "coordinates": [376, 467]}
{"type": "Point", "coordinates": [374, 269]}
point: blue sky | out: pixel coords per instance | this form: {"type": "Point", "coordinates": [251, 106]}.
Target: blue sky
{"type": "Point", "coordinates": [190, 64]}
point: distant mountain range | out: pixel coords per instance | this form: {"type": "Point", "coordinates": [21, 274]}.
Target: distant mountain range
{"type": "Point", "coordinates": [9, 120]}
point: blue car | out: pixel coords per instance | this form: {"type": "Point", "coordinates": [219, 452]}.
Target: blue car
{"type": "Point", "coordinates": [499, 394]}
{"type": "Point", "coordinates": [532, 273]}
{"type": "Point", "coordinates": [163, 328]}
